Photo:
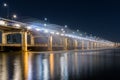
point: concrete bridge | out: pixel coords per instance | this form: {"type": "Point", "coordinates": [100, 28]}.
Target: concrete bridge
{"type": "Point", "coordinates": [23, 36]}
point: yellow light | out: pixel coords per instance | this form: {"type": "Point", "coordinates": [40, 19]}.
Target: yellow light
{"type": "Point", "coordinates": [2, 22]}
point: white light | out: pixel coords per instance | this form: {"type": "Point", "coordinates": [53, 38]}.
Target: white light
{"type": "Point", "coordinates": [45, 25]}
{"type": "Point", "coordinates": [62, 29]}
{"type": "Point", "coordinates": [46, 31]}
{"type": "Point", "coordinates": [2, 22]}
{"type": "Point", "coordinates": [14, 16]}
{"type": "Point", "coordinates": [57, 33]}
{"type": "Point", "coordinates": [62, 34]}
{"type": "Point", "coordinates": [4, 4]}
{"type": "Point", "coordinates": [29, 27]}
{"type": "Point", "coordinates": [17, 25]}
{"type": "Point", "coordinates": [45, 19]}
{"type": "Point", "coordinates": [52, 32]}
{"type": "Point", "coordinates": [37, 29]}
{"type": "Point", "coordinates": [65, 26]}
{"type": "Point", "coordinates": [73, 32]}
{"type": "Point", "coordinates": [77, 30]}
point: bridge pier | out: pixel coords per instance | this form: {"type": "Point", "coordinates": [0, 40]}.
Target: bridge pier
{"type": "Point", "coordinates": [91, 45]}
{"type": "Point", "coordinates": [50, 42]}
{"type": "Point", "coordinates": [65, 43]}
{"type": "Point", "coordinates": [88, 45]}
{"type": "Point", "coordinates": [83, 44]}
{"type": "Point", "coordinates": [4, 40]}
{"type": "Point", "coordinates": [32, 39]}
{"type": "Point", "coordinates": [75, 44]}
{"type": "Point", "coordinates": [94, 45]}
{"type": "Point", "coordinates": [24, 41]}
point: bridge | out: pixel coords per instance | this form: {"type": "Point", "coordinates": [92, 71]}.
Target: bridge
{"type": "Point", "coordinates": [46, 36]}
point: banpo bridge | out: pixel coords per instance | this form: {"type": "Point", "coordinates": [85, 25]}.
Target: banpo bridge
{"type": "Point", "coordinates": [45, 36]}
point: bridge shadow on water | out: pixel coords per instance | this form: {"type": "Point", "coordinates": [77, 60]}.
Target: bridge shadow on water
{"type": "Point", "coordinates": [92, 65]}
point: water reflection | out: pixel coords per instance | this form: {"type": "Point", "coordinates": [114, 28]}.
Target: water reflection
{"type": "Point", "coordinates": [58, 66]}
{"type": "Point", "coordinates": [3, 68]}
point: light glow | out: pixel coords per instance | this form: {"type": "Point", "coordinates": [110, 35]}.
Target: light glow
{"type": "Point", "coordinates": [29, 27]}
{"type": "Point", "coordinates": [52, 32]}
{"type": "Point", "coordinates": [37, 29]}
{"type": "Point", "coordinates": [57, 33]}
{"type": "Point", "coordinates": [17, 25]}
{"type": "Point", "coordinates": [2, 22]}
{"type": "Point", "coordinates": [62, 34]}
{"type": "Point", "coordinates": [46, 31]}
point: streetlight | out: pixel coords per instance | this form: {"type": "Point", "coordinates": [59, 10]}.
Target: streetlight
{"type": "Point", "coordinates": [66, 26]}
{"type": "Point", "coordinates": [77, 30]}
{"type": "Point", "coordinates": [45, 19]}
{"type": "Point", "coordinates": [14, 16]}
{"type": "Point", "coordinates": [6, 6]}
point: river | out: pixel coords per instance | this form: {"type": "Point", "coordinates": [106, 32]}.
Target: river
{"type": "Point", "coordinates": [89, 65]}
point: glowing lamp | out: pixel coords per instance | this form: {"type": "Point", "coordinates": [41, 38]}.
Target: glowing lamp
{"type": "Point", "coordinates": [2, 22]}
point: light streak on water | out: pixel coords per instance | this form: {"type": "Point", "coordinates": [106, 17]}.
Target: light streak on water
{"type": "Point", "coordinates": [45, 69]}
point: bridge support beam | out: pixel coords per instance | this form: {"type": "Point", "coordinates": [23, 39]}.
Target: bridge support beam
{"type": "Point", "coordinates": [24, 41]}
{"type": "Point", "coordinates": [65, 43]}
{"type": "Point", "coordinates": [32, 39]}
{"type": "Point", "coordinates": [4, 38]}
{"type": "Point", "coordinates": [91, 45]}
{"type": "Point", "coordinates": [83, 45]}
{"type": "Point", "coordinates": [94, 45]}
{"type": "Point", "coordinates": [50, 42]}
{"type": "Point", "coordinates": [88, 45]}
{"type": "Point", "coordinates": [75, 44]}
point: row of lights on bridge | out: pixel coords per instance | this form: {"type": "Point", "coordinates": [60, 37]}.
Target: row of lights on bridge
{"type": "Point", "coordinates": [2, 22]}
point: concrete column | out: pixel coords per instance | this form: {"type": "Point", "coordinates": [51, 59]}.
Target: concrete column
{"type": "Point", "coordinates": [61, 41]}
{"type": "Point", "coordinates": [32, 40]}
{"type": "Point", "coordinates": [88, 45]}
{"type": "Point", "coordinates": [4, 38]}
{"type": "Point", "coordinates": [24, 41]}
{"type": "Point", "coordinates": [65, 43]}
{"type": "Point", "coordinates": [75, 44]}
{"type": "Point", "coordinates": [83, 45]}
{"type": "Point", "coordinates": [94, 45]}
{"type": "Point", "coordinates": [50, 42]}
{"type": "Point", "coordinates": [91, 45]}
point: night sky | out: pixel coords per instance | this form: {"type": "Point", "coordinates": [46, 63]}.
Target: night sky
{"type": "Point", "coordinates": [98, 17]}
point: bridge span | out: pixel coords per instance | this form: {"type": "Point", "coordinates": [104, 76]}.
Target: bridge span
{"type": "Point", "coordinates": [27, 36]}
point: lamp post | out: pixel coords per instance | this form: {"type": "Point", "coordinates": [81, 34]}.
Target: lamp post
{"type": "Point", "coordinates": [7, 7]}
{"type": "Point", "coordinates": [14, 16]}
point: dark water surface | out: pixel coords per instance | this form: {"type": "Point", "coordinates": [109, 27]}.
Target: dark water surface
{"type": "Point", "coordinates": [94, 65]}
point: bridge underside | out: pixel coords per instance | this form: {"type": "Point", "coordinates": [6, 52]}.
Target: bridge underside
{"type": "Point", "coordinates": [13, 38]}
